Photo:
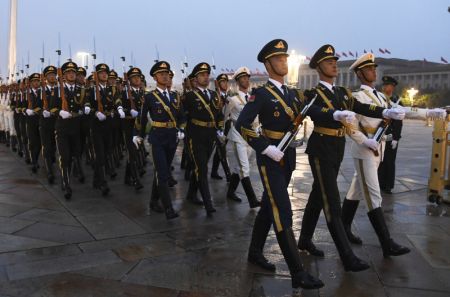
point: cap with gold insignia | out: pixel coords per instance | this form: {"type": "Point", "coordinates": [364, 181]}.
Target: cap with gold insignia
{"type": "Point", "coordinates": [143, 77]}
{"type": "Point", "coordinates": [49, 69]}
{"type": "Point", "coordinates": [389, 80]}
{"type": "Point", "coordinates": [119, 80]}
{"type": "Point", "coordinates": [221, 77]}
{"type": "Point", "coordinates": [200, 68]}
{"type": "Point", "coordinates": [90, 78]}
{"type": "Point", "coordinates": [273, 48]}
{"type": "Point", "coordinates": [171, 74]}
{"type": "Point", "coordinates": [134, 72]}
{"type": "Point", "coordinates": [113, 74]}
{"type": "Point", "coordinates": [35, 76]}
{"type": "Point", "coordinates": [81, 71]}
{"type": "Point", "coordinates": [325, 52]}
{"type": "Point", "coordinates": [364, 61]}
{"type": "Point", "coordinates": [242, 71]}
{"type": "Point", "coordinates": [102, 67]}
{"type": "Point", "coordinates": [69, 66]}
{"type": "Point", "coordinates": [161, 66]}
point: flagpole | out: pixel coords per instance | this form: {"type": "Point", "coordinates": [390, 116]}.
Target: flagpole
{"type": "Point", "coordinates": [12, 38]}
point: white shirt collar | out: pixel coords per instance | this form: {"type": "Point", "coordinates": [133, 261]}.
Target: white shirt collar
{"type": "Point", "coordinates": [162, 91]}
{"type": "Point", "coordinates": [328, 85]}
{"type": "Point", "coordinates": [368, 88]}
{"type": "Point", "coordinates": [242, 94]}
{"type": "Point", "coordinates": [201, 89]}
{"type": "Point", "coordinates": [70, 86]}
{"type": "Point", "coordinates": [277, 84]}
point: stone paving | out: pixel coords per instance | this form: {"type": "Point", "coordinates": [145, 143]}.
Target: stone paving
{"type": "Point", "coordinates": [114, 246]}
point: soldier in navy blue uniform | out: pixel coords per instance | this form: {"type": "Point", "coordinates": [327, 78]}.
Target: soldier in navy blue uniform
{"type": "Point", "coordinates": [33, 110]}
{"type": "Point", "coordinates": [132, 99]}
{"type": "Point", "coordinates": [276, 106]}
{"type": "Point", "coordinates": [22, 106]}
{"type": "Point", "coordinates": [386, 170]}
{"type": "Point", "coordinates": [167, 120]}
{"type": "Point", "coordinates": [174, 94]}
{"type": "Point", "coordinates": [203, 108]}
{"type": "Point", "coordinates": [68, 126]}
{"type": "Point", "coordinates": [116, 86]}
{"type": "Point", "coordinates": [15, 97]}
{"type": "Point", "coordinates": [325, 153]}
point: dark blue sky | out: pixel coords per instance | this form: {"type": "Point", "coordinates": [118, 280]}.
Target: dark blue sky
{"type": "Point", "coordinates": [233, 31]}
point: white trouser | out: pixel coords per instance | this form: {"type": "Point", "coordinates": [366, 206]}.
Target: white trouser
{"type": "Point", "coordinates": [239, 158]}
{"type": "Point", "coordinates": [9, 120]}
{"type": "Point", "coordinates": [365, 182]}
{"type": "Point", "coordinates": [2, 120]}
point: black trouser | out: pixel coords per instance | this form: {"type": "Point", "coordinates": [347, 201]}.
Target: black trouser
{"type": "Point", "coordinates": [47, 133]}
{"type": "Point", "coordinates": [17, 120]}
{"type": "Point", "coordinates": [68, 140]}
{"type": "Point", "coordinates": [34, 139]}
{"type": "Point", "coordinates": [102, 140]}
{"type": "Point", "coordinates": [85, 134]}
{"type": "Point", "coordinates": [386, 170]}
{"type": "Point", "coordinates": [127, 127]}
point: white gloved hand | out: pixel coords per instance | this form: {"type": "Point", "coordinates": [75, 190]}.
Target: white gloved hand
{"type": "Point", "coordinates": [394, 144]}
{"type": "Point", "coordinates": [371, 143]}
{"type": "Point", "coordinates": [121, 113]}
{"type": "Point", "coordinates": [395, 113]}
{"type": "Point", "coordinates": [273, 152]}
{"type": "Point", "coordinates": [87, 110]}
{"type": "Point", "coordinates": [180, 135]}
{"type": "Point", "coordinates": [137, 140]}
{"type": "Point", "coordinates": [46, 114]}
{"type": "Point", "coordinates": [100, 116]}
{"type": "Point", "coordinates": [30, 112]}
{"type": "Point", "coordinates": [134, 113]}
{"type": "Point", "coordinates": [437, 113]}
{"type": "Point", "coordinates": [345, 116]}
{"type": "Point", "coordinates": [64, 114]}
{"type": "Point", "coordinates": [222, 138]}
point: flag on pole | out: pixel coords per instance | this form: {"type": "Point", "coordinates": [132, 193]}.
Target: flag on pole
{"type": "Point", "coordinates": [381, 50]}
{"type": "Point", "coordinates": [337, 55]}
{"type": "Point", "coordinates": [387, 51]}
{"type": "Point", "coordinates": [365, 51]}
{"type": "Point", "coordinates": [350, 53]}
{"type": "Point", "coordinates": [344, 54]}
{"type": "Point", "coordinates": [444, 60]}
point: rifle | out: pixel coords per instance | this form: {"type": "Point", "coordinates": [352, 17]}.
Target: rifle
{"type": "Point", "coordinates": [127, 86]}
{"type": "Point", "coordinates": [381, 130]}
{"type": "Point", "coordinates": [98, 97]}
{"type": "Point", "coordinates": [44, 93]}
{"type": "Point", "coordinates": [298, 122]}
{"type": "Point", "coordinates": [64, 103]}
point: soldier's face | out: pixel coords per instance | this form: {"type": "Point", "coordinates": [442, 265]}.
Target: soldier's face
{"type": "Point", "coordinates": [223, 84]}
{"type": "Point", "coordinates": [203, 79]}
{"type": "Point", "coordinates": [102, 76]}
{"type": "Point", "coordinates": [370, 73]}
{"type": "Point", "coordinates": [169, 84]}
{"type": "Point", "coordinates": [278, 64]}
{"type": "Point", "coordinates": [81, 79]}
{"type": "Point", "coordinates": [244, 82]}
{"type": "Point", "coordinates": [70, 76]}
{"type": "Point", "coordinates": [329, 67]}
{"type": "Point", "coordinates": [111, 81]}
{"type": "Point", "coordinates": [388, 89]}
{"type": "Point", "coordinates": [51, 78]}
{"type": "Point", "coordinates": [35, 84]}
{"type": "Point", "coordinates": [162, 78]}
{"type": "Point", "coordinates": [135, 81]}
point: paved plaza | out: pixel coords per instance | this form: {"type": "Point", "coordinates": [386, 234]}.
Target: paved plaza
{"type": "Point", "coordinates": [114, 246]}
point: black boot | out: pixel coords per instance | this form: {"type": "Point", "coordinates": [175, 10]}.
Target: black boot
{"type": "Point", "coordinates": [187, 171]}
{"type": "Point", "coordinates": [79, 169]}
{"type": "Point", "coordinates": [250, 193]}
{"type": "Point", "coordinates": [215, 165]}
{"type": "Point", "coordinates": [309, 222]}
{"type": "Point", "coordinates": [167, 202]}
{"type": "Point", "coordinates": [349, 208]}
{"type": "Point", "coordinates": [49, 168]}
{"type": "Point", "coordinates": [111, 168]}
{"type": "Point", "coordinates": [234, 182]}
{"type": "Point", "coordinates": [8, 139]}
{"type": "Point", "coordinates": [100, 180]}
{"type": "Point", "coordinates": [127, 179]}
{"type": "Point", "coordinates": [192, 192]}
{"type": "Point", "coordinates": [27, 154]}
{"type": "Point", "coordinates": [206, 197]}
{"type": "Point", "coordinates": [389, 246]}
{"type": "Point", "coordinates": [300, 278]}
{"type": "Point", "coordinates": [14, 143]}
{"type": "Point", "coordinates": [135, 176]}
{"type": "Point", "coordinates": [259, 234]}
{"type": "Point", "coordinates": [66, 183]}
{"type": "Point", "coordinates": [154, 199]}
{"type": "Point", "coordinates": [349, 259]}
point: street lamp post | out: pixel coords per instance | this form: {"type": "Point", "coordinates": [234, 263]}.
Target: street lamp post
{"type": "Point", "coordinates": [294, 61]}
{"type": "Point", "coordinates": [84, 58]}
{"type": "Point", "coordinates": [411, 93]}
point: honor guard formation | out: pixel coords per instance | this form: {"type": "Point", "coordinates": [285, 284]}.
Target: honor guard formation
{"type": "Point", "coordinates": [65, 123]}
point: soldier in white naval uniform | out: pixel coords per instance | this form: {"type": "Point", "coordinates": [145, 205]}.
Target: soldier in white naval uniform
{"type": "Point", "coordinates": [367, 154]}
{"type": "Point", "coordinates": [240, 150]}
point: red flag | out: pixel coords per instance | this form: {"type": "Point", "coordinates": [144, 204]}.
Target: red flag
{"type": "Point", "coordinates": [337, 55]}
{"type": "Point", "coordinates": [350, 53]}
{"type": "Point", "coordinates": [344, 54]}
{"type": "Point", "coordinates": [365, 51]}
{"type": "Point", "coordinates": [387, 51]}
{"type": "Point", "coordinates": [444, 60]}
{"type": "Point", "coordinates": [381, 51]}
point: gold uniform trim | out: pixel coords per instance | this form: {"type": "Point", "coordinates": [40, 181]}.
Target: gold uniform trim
{"type": "Point", "coordinates": [330, 131]}
{"type": "Point", "coordinates": [364, 185]}
{"type": "Point", "coordinates": [163, 125]}
{"type": "Point", "coordinates": [273, 134]}
{"type": "Point", "coordinates": [286, 108]}
{"type": "Point", "coordinates": [275, 54]}
{"type": "Point", "coordinates": [276, 213]}
{"type": "Point", "coordinates": [193, 158]}
{"type": "Point", "coordinates": [326, 206]}
{"type": "Point", "coordinates": [248, 132]}
{"type": "Point", "coordinates": [203, 124]}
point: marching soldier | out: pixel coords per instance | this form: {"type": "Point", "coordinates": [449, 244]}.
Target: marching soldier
{"type": "Point", "coordinates": [220, 155]}
{"type": "Point", "coordinates": [241, 151]}
{"type": "Point", "coordinates": [23, 103]}
{"type": "Point", "coordinates": [33, 110]}
{"type": "Point", "coordinates": [14, 97]}
{"type": "Point", "coordinates": [386, 171]}
{"type": "Point", "coordinates": [276, 106]}
{"type": "Point", "coordinates": [325, 151]}
{"type": "Point", "coordinates": [367, 154]}
{"type": "Point", "coordinates": [68, 124]}
{"type": "Point", "coordinates": [174, 94]}
{"type": "Point", "coordinates": [51, 104]}
{"type": "Point", "coordinates": [203, 110]}
{"type": "Point", "coordinates": [132, 99]}
{"type": "Point", "coordinates": [167, 120]}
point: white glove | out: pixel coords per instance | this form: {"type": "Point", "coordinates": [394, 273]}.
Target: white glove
{"type": "Point", "coordinates": [395, 113]}
{"type": "Point", "coordinates": [388, 137]}
{"type": "Point", "coordinates": [65, 114]}
{"type": "Point", "coordinates": [134, 113]}
{"type": "Point", "coordinates": [371, 143]}
{"type": "Point", "coordinates": [121, 113]}
{"type": "Point", "coordinates": [100, 116]}
{"type": "Point", "coordinates": [345, 116]}
{"type": "Point", "coordinates": [46, 114]}
{"type": "Point", "coordinates": [273, 152]}
{"type": "Point", "coordinates": [222, 138]}
{"type": "Point", "coordinates": [87, 110]}
{"type": "Point", "coordinates": [438, 113]}
{"type": "Point", "coordinates": [394, 144]}
{"type": "Point", "coordinates": [30, 112]}
{"type": "Point", "coordinates": [180, 135]}
{"type": "Point", "coordinates": [137, 140]}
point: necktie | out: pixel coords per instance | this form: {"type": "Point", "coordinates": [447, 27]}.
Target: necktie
{"type": "Point", "coordinates": [285, 92]}
{"type": "Point", "coordinates": [71, 89]}
{"type": "Point", "coordinates": [206, 94]}
{"type": "Point", "coordinates": [165, 96]}
{"type": "Point", "coordinates": [246, 98]}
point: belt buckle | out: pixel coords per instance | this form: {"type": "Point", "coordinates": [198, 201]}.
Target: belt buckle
{"type": "Point", "coordinates": [341, 132]}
